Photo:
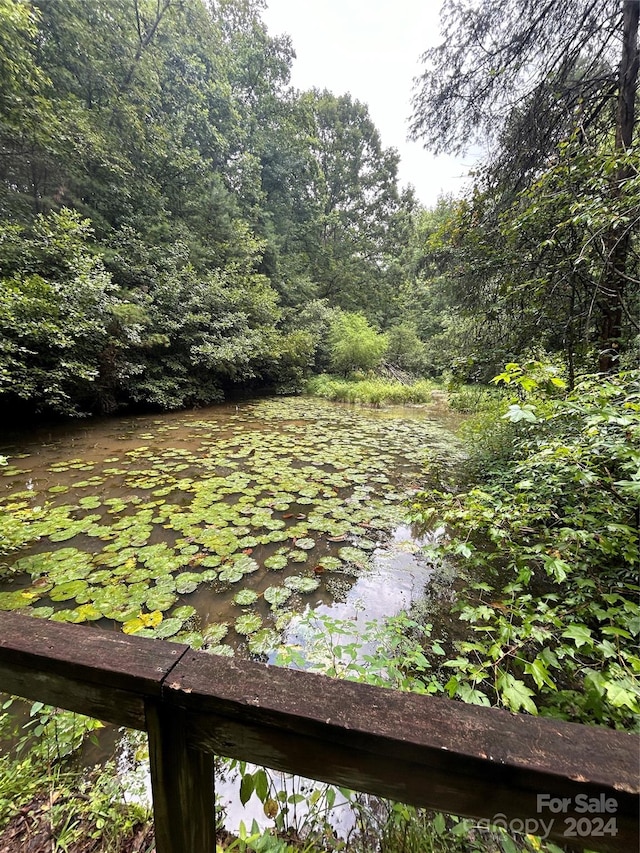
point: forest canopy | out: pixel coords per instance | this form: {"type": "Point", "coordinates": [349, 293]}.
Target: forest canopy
{"type": "Point", "coordinates": [177, 220]}
{"type": "Point", "coordinates": [156, 161]}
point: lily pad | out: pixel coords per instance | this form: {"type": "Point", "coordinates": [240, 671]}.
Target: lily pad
{"type": "Point", "coordinates": [190, 638]}
{"type": "Point", "coordinates": [215, 632]}
{"type": "Point", "coordinates": [245, 597]}
{"type": "Point", "coordinates": [276, 595]}
{"type": "Point", "coordinates": [168, 628]}
{"type": "Point", "coordinates": [65, 591]}
{"type": "Point", "coordinates": [302, 584]}
{"type": "Point", "coordinates": [185, 612]}
{"type": "Point", "coordinates": [41, 612]}
{"type": "Point", "coordinates": [330, 564]}
{"type": "Point", "coordinates": [249, 623]}
{"type": "Point", "coordinates": [222, 650]}
{"type": "Point", "coordinates": [245, 564]}
{"type": "Point", "coordinates": [159, 599]}
{"type": "Point", "coordinates": [354, 555]}
{"type": "Point", "coordinates": [90, 502]}
{"type": "Point", "coordinates": [306, 543]}
{"type": "Point", "coordinates": [187, 582]}
{"type": "Point", "coordinates": [297, 556]}
{"type": "Point", "coordinates": [275, 563]}
{"type": "Point", "coordinates": [14, 600]}
{"type": "Point", "coordinates": [263, 642]}
{"type": "Point", "coordinates": [230, 574]}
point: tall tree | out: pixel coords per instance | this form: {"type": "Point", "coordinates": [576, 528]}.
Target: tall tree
{"type": "Point", "coordinates": [521, 77]}
{"type": "Point", "coordinates": [357, 199]}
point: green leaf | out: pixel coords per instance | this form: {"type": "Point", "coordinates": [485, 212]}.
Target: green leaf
{"type": "Point", "coordinates": [276, 595]}
{"type": "Point", "coordinates": [248, 623]}
{"type": "Point", "coordinates": [261, 785]}
{"type": "Point", "coordinates": [245, 597]}
{"type": "Point", "coordinates": [537, 669]}
{"type": "Point", "coordinates": [515, 694]}
{"type": "Point", "coordinates": [302, 584]}
{"type": "Point", "coordinates": [247, 786]}
{"type": "Point", "coordinates": [517, 413]}
{"type": "Point", "coordinates": [619, 694]}
{"type": "Point", "coordinates": [579, 633]}
{"type": "Point", "coordinates": [263, 641]}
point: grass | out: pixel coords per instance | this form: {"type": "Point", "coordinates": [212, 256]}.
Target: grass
{"type": "Point", "coordinates": [375, 391]}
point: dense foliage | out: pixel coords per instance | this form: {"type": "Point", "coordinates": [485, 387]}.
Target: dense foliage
{"type": "Point", "coordinates": [176, 221]}
{"type": "Point", "coordinates": [549, 549]}
{"type": "Point", "coordinates": [172, 211]}
{"type": "Point", "coordinates": [543, 254]}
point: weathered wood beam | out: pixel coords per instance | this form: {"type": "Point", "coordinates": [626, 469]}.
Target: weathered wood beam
{"type": "Point", "coordinates": [464, 759]}
{"type": "Point", "coordinates": [182, 784]}
{"type": "Point", "coordinates": [104, 674]}
{"type": "Point", "coordinates": [468, 760]}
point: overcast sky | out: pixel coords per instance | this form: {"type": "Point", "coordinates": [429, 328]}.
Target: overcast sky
{"type": "Point", "coordinates": [371, 49]}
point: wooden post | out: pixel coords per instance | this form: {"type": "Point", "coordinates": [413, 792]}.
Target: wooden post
{"type": "Point", "coordinates": [182, 783]}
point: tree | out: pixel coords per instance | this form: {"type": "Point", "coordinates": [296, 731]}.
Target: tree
{"type": "Point", "coordinates": [355, 344]}
{"type": "Point", "coordinates": [56, 301]}
{"type": "Point", "coordinates": [357, 200]}
{"type": "Point", "coordinates": [527, 77]}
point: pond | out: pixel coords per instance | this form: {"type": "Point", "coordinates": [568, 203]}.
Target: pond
{"type": "Point", "coordinates": [214, 527]}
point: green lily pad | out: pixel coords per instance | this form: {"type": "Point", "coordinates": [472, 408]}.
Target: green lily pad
{"type": "Point", "coordinates": [215, 632]}
{"type": "Point", "coordinates": [306, 544]}
{"type": "Point", "coordinates": [245, 597]}
{"type": "Point", "coordinates": [275, 563]}
{"type": "Point", "coordinates": [190, 638]}
{"type": "Point", "coordinates": [245, 564]}
{"type": "Point", "coordinates": [276, 595]}
{"type": "Point", "coordinates": [90, 502]}
{"type": "Point", "coordinates": [249, 623]}
{"type": "Point", "coordinates": [296, 556]}
{"type": "Point", "coordinates": [302, 584]}
{"type": "Point", "coordinates": [187, 582]}
{"type": "Point", "coordinates": [42, 612]}
{"type": "Point", "coordinates": [222, 650]}
{"type": "Point", "coordinates": [330, 564]}
{"type": "Point", "coordinates": [209, 575]}
{"type": "Point", "coordinates": [167, 628]}
{"type": "Point", "coordinates": [353, 555]}
{"type": "Point", "coordinates": [263, 642]}
{"type": "Point", "coordinates": [65, 591]}
{"type": "Point", "coordinates": [159, 599]}
{"type": "Point", "coordinates": [230, 574]}
{"type": "Point", "coordinates": [185, 612]}
{"type": "Point", "coordinates": [15, 600]}
{"type": "Point", "coordinates": [63, 616]}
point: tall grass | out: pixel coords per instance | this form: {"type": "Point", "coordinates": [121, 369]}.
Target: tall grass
{"type": "Point", "coordinates": [371, 391]}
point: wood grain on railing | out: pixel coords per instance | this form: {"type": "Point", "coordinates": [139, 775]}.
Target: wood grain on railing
{"type": "Point", "coordinates": [426, 751]}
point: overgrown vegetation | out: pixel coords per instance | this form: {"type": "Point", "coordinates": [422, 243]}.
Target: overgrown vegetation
{"type": "Point", "coordinates": [373, 391]}
{"type": "Point", "coordinates": [48, 801]}
{"type": "Point", "coordinates": [177, 222]}
{"type": "Point", "coordinates": [548, 543]}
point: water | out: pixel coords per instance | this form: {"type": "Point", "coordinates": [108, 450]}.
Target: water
{"type": "Point", "coordinates": [220, 527]}
{"type": "Point", "coordinates": [155, 525]}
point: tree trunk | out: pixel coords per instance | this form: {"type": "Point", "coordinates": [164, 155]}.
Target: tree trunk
{"type": "Point", "coordinates": [614, 279]}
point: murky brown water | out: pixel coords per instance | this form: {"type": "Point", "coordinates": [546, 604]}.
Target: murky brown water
{"type": "Point", "coordinates": [314, 487]}
{"type": "Point", "coordinates": [308, 491]}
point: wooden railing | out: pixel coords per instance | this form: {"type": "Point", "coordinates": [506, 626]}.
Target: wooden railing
{"type": "Point", "coordinates": [444, 755]}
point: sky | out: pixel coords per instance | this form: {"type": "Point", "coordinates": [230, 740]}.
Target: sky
{"type": "Point", "coordinates": [371, 49]}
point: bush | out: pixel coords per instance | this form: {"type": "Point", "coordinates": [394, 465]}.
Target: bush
{"type": "Point", "coordinates": [354, 344]}
{"type": "Point", "coordinates": [549, 547]}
